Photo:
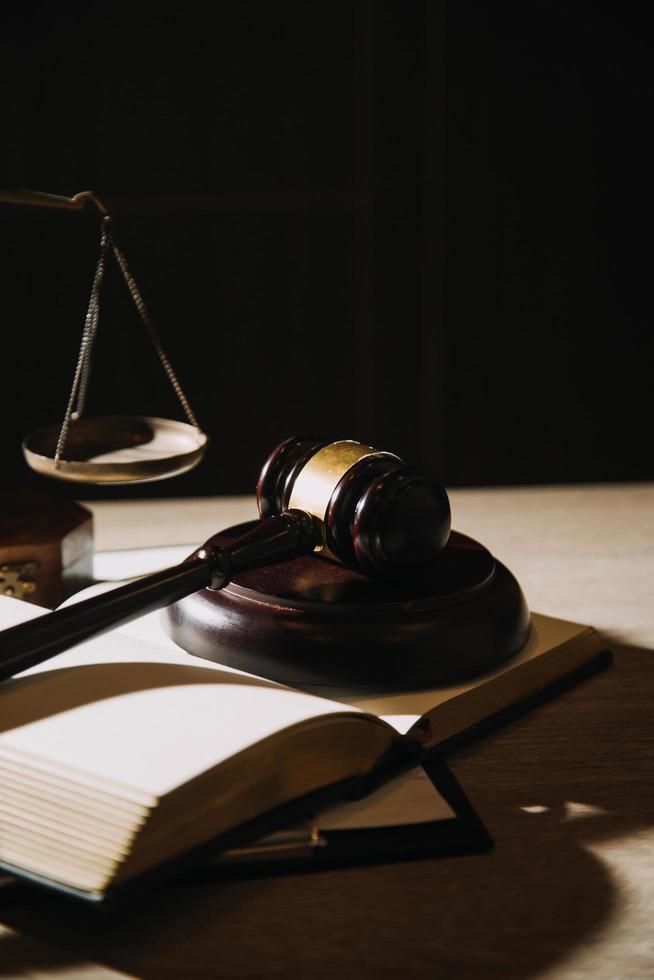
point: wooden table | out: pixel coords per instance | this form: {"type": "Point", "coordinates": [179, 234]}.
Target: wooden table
{"type": "Point", "coordinates": [567, 793]}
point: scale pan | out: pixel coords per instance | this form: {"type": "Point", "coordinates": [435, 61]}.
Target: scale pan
{"type": "Point", "coordinates": [117, 449]}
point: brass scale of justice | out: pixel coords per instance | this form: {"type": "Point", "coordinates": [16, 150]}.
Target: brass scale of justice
{"type": "Point", "coordinates": [351, 579]}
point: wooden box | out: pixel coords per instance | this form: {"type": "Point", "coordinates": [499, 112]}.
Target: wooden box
{"type": "Point", "coordinates": [46, 547]}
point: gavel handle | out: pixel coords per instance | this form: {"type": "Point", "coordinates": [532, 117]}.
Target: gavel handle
{"type": "Point", "coordinates": [276, 539]}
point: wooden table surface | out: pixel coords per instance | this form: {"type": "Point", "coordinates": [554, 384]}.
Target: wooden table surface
{"type": "Point", "coordinates": [567, 793]}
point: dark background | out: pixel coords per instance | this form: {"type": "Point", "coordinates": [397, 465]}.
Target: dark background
{"type": "Point", "coordinates": [422, 225]}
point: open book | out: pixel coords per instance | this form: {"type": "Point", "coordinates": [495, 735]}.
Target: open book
{"type": "Point", "coordinates": [121, 754]}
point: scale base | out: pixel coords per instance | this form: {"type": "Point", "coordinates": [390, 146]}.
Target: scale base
{"type": "Point", "coordinates": [313, 623]}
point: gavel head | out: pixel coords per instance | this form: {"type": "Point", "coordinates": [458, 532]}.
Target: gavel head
{"type": "Point", "coordinates": [378, 516]}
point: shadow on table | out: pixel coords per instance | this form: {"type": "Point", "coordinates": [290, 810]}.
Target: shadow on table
{"type": "Point", "coordinates": [567, 776]}
{"type": "Point", "coordinates": [24, 956]}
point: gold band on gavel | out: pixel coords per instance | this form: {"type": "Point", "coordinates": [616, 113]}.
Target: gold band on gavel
{"type": "Point", "coordinates": [317, 480]}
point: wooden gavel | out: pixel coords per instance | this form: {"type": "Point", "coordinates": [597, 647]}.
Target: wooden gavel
{"type": "Point", "coordinates": [350, 502]}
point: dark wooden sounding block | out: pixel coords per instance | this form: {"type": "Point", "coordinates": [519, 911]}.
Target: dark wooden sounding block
{"type": "Point", "coordinates": [312, 622]}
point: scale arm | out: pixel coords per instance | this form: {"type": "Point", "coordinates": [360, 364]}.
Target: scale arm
{"type": "Point", "coordinates": [42, 200]}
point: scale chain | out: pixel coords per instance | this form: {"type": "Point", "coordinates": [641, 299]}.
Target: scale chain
{"type": "Point", "coordinates": [80, 380]}
{"type": "Point", "coordinates": [152, 333]}
{"type": "Point", "coordinates": [94, 314]}
{"type": "Point", "coordinates": [79, 388]}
